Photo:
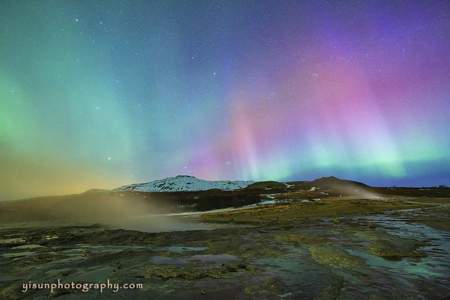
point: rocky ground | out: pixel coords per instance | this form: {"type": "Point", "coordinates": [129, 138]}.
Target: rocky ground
{"type": "Point", "coordinates": [397, 248]}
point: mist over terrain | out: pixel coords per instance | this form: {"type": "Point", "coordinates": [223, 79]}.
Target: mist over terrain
{"type": "Point", "coordinates": [126, 204]}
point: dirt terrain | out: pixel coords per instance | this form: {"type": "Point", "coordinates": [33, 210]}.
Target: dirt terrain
{"type": "Point", "coordinates": [309, 243]}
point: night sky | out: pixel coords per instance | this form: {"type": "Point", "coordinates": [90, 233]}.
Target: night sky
{"type": "Point", "coordinates": [106, 93]}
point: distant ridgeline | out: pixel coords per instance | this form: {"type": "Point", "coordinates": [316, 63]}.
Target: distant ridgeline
{"type": "Point", "coordinates": [188, 193]}
{"type": "Point", "coordinates": [184, 183]}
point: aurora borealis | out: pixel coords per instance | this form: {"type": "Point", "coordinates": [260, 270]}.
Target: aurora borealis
{"type": "Point", "coordinates": [105, 93]}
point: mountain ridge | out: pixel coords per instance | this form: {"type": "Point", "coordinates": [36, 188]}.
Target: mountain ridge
{"type": "Point", "coordinates": [184, 183]}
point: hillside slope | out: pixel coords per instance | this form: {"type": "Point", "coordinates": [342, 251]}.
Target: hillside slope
{"type": "Point", "coordinates": [183, 183]}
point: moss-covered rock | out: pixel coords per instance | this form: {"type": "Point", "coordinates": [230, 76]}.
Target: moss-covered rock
{"type": "Point", "coordinates": [166, 272]}
{"type": "Point", "coordinates": [268, 289]}
{"type": "Point", "coordinates": [299, 239]}
{"type": "Point", "coordinates": [332, 291]}
{"type": "Point", "coordinates": [11, 292]}
{"type": "Point", "coordinates": [334, 257]}
{"type": "Point", "coordinates": [395, 249]}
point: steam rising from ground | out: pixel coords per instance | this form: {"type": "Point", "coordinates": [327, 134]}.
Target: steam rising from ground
{"type": "Point", "coordinates": [134, 211]}
{"type": "Point", "coordinates": [92, 206]}
{"type": "Point", "coordinates": [355, 191]}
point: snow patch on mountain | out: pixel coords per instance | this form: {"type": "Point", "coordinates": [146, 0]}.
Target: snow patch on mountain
{"type": "Point", "coordinates": [183, 183]}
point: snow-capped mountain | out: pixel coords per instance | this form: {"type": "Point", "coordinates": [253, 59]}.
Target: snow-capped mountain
{"type": "Point", "coordinates": [184, 183]}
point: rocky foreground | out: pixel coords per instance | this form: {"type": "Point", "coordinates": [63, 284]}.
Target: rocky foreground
{"type": "Point", "coordinates": [396, 247]}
